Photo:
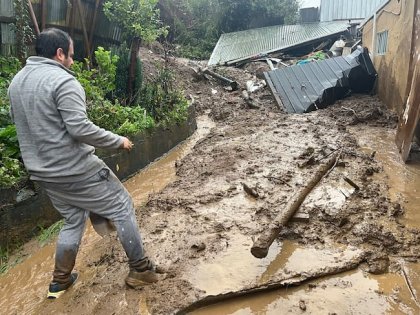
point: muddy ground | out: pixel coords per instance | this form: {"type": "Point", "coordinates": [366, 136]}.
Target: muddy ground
{"type": "Point", "coordinates": [206, 211]}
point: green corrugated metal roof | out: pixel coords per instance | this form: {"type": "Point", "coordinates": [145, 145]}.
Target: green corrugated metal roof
{"type": "Point", "coordinates": [245, 44]}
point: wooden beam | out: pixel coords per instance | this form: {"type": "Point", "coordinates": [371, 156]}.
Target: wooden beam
{"type": "Point", "coordinates": [409, 120]}
{"type": "Point", "coordinates": [72, 18]}
{"type": "Point", "coordinates": [43, 14]}
{"type": "Point", "coordinates": [7, 19]}
{"type": "Point", "coordinates": [33, 18]}
{"type": "Point", "coordinates": [85, 34]}
{"type": "Point", "coordinates": [262, 244]}
{"type": "Point", "coordinates": [93, 25]}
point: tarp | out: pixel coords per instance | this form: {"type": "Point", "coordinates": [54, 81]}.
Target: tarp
{"type": "Point", "coordinates": [307, 87]}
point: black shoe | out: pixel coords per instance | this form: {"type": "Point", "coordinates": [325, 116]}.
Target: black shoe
{"type": "Point", "coordinates": [57, 289]}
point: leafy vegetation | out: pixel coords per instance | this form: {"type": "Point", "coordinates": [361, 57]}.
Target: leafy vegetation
{"type": "Point", "coordinates": [198, 24]}
{"type": "Point", "coordinates": [137, 18]}
{"type": "Point", "coordinates": [11, 167]}
{"type": "Point", "coordinates": [156, 103]}
{"type": "Point", "coordinates": [46, 235]}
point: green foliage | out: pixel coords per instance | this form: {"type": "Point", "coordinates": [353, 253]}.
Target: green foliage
{"type": "Point", "coordinates": [202, 22]}
{"type": "Point", "coordinates": [121, 77]}
{"type": "Point", "coordinates": [120, 119]}
{"type": "Point", "coordinates": [46, 235]}
{"type": "Point", "coordinates": [137, 18]}
{"type": "Point", "coordinates": [9, 66]}
{"type": "Point", "coordinates": [23, 31]}
{"type": "Point", "coordinates": [162, 101]}
{"type": "Point", "coordinates": [11, 169]}
{"type": "Point", "coordinates": [7, 260]}
{"type": "Point", "coordinates": [100, 81]}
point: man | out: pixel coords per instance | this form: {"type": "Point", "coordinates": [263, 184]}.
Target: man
{"type": "Point", "coordinates": [57, 144]}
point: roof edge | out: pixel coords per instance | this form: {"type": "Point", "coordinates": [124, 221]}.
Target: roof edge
{"type": "Point", "coordinates": [379, 8]}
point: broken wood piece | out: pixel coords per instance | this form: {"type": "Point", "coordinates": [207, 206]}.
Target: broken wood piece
{"type": "Point", "coordinates": [250, 191]}
{"type": "Point", "coordinates": [233, 84]}
{"type": "Point", "coordinates": [310, 161]}
{"type": "Point", "coordinates": [279, 179]}
{"type": "Point", "coordinates": [408, 282]}
{"type": "Point", "coordinates": [249, 101]}
{"type": "Point", "coordinates": [277, 283]}
{"type": "Point", "coordinates": [261, 246]}
{"type": "Point", "coordinates": [351, 183]}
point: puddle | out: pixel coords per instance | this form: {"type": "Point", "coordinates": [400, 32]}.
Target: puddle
{"type": "Point", "coordinates": [233, 269]}
{"type": "Point", "coordinates": [347, 293]}
{"type": "Point", "coordinates": [23, 287]}
{"type": "Point", "coordinates": [403, 179]}
{"type": "Point", "coordinates": [160, 173]}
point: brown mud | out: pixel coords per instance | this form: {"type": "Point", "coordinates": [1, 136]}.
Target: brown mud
{"type": "Point", "coordinates": [201, 226]}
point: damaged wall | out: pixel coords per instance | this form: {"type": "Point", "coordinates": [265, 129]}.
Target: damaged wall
{"type": "Point", "coordinates": [393, 67]}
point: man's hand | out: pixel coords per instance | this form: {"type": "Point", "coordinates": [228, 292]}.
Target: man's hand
{"type": "Point", "coordinates": [127, 144]}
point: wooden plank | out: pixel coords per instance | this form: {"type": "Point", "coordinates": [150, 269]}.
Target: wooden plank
{"type": "Point", "coordinates": [43, 14]}
{"type": "Point", "coordinates": [93, 25]}
{"type": "Point", "coordinates": [85, 35]}
{"type": "Point", "coordinates": [408, 122]}
{"type": "Point", "coordinates": [7, 19]}
{"type": "Point", "coordinates": [33, 18]}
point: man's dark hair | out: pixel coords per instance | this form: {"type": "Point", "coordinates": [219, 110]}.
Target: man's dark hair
{"type": "Point", "coordinates": [50, 40]}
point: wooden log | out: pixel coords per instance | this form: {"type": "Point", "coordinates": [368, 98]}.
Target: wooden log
{"type": "Point", "coordinates": [277, 283]}
{"type": "Point", "coordinates": [85, 34]}
{"type": "Point", "coordinates": [262, 244]}
{"type": "Point", "coordinates": [33, 18]}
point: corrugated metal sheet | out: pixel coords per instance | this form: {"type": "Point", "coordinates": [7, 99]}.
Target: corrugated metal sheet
{"type": "Point", "coordinates": [333, 10]}
{"type": "Point", "coordinates": [6, 8]}
{"type": "Point", "coordinates": [244, 44]}
{"type": "Point", "coordinates": [307, 87]}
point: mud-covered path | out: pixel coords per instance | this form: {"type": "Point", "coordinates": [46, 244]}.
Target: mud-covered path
{"type": "Point", "coordinates": [202, 225]}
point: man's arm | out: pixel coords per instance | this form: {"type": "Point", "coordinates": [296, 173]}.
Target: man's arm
{"type": "Point", "coordinates": [70, 98]}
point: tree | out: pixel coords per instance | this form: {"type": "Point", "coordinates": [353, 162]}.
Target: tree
{"type": "Point", "coordinates": [138, 20]}
{"type": "Point", "coordinates": [203, 21]}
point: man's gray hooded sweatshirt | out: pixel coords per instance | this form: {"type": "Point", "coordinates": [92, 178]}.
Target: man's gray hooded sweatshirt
{"type": "Point", "coordinates": [55, 136]}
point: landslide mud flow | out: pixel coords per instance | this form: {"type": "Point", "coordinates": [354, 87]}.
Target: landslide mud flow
{"type": "Point", "coordinates": [347, 250]}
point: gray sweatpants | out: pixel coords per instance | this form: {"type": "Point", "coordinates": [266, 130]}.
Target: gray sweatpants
{"type": "Point", "coordinates": [104, 195]}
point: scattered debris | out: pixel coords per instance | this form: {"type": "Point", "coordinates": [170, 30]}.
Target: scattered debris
{"type": "Point", "coordinates": [351, 183]}
{"type": "Point", "coordinates": [225, 81]}
{"type": "Point", "coordinates": [250, 191]}
{"type": "Point", "coordinates": [244, 46]}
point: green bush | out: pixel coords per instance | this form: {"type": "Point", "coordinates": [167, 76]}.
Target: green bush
{"type": "Point", "coordinates": [159, 97]}
{"type": "Point", "coordinates": [12, 170]}
{"type": "Point", "coordinates": [100, 81]}
{"type": "Point", "coordinates": [121, 77]}
{"type": "Point", "coordinates": [123, 120]}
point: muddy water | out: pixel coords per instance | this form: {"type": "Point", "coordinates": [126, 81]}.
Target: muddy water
{"type": "Point", "coordinates": [23, 288]}
{"type": "Point", "coordinates": [348, 293]}
{"type": "Point", "coordinates": [403, 179]}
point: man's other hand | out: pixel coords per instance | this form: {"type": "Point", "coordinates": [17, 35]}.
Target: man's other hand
{"type": "Point", "coordinates": [127, 144]}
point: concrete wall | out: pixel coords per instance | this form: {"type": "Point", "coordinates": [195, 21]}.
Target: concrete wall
{"type": "Point", "coordinates": [22, 214]}
{"type": "Point", "coordinates": [394, 66]}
